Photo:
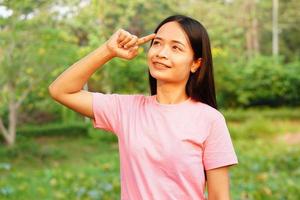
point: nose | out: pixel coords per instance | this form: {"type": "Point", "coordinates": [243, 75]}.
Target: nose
{"type": "Point", "coordinates": [162, 52]}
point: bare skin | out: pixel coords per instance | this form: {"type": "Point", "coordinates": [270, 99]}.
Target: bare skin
{"type": "Point", "coordinates": [218, 183]}
{"type": "Point", "coordinates": [67, 88]}
{"type": "Point", "coordinates": [171, 47]}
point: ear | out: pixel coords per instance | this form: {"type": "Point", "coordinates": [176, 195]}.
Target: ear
{"type": "Point", "coordinates": [196, 65]}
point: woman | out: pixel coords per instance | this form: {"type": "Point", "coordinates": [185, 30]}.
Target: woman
{"type": "Point", "coordinates": [173, 142]}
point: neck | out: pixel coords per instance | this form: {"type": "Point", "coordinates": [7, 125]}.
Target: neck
{"type": "Point", "coordinates": [170, 93]}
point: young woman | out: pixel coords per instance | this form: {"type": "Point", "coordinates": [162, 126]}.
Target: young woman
{"type": "Point", "coordinates": [174, 142]}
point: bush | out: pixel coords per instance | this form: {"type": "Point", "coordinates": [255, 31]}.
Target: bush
{"type": "Point", "coordinates": [263, 81]}
{"type": "Point", "coordinates": [254, 128]}
{"type": "Point", "coordinates": [241, 115]}
{"type": "Point", "coordinates": [102, 135]}
{"type": "Point", "coordinates": [33, 151]}
{"type": "Point", "coordinates": [70, 129]}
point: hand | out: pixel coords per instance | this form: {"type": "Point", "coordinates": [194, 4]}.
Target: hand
{"type": "Point", "coordinates": [122, 44]}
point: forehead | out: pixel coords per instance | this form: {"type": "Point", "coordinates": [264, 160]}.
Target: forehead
{"type": "Point", "coordinates": [172, 31]}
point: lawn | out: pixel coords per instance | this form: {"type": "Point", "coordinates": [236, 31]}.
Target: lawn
{"type": "Point", "coordinates": [267, 143]}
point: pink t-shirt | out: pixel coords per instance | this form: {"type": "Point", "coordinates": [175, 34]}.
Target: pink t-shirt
{"type": "Point", "coordinates": [164, 148]}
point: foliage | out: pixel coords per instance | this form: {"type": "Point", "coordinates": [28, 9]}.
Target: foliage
{"type": "Point", "coordinates": [126, 77]}
{"type": "Point", "coordinates": [56, 38]}
{"type": "Point", "coordinates": [67, 167]}
{"type": "Point", "coordinates": [30, 38]}
{"type": "Point", "coordinates": [262, 81]}
{"type": "Point", "coordinates": [74, 128]}
{"type": "Point", "coordinates": [266, 170]}
{"type": "Point", "coordinates": [90, 173]}
{"type": "Point", "coordinates": [241, 115]}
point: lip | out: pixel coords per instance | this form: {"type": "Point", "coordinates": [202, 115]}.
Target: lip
{"type": "Point", "coordinates": [160, 65]}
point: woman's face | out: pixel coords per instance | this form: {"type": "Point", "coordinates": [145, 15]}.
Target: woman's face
{"type": "Point", "coordinates": [170, 58]}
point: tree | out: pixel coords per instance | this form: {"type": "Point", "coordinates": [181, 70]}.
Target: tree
{"type": "Point", "coordinates": [275, 49]}
{"type": "Point", "coordinates": [30, 37]}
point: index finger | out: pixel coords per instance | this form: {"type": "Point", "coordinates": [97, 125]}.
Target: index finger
{"type": "Point", "coordinates": [145, 39]}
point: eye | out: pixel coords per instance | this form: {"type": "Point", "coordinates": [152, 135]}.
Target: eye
{"type": "Point", "coordinates": [177, 48]}
{"type": "Point", "coordinates": [155, 42]}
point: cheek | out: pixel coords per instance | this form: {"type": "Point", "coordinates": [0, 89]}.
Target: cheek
{"type": "Point", "coordinates": [183, 67]}
{"type": "Point", "coordinates": [150, 54]}
{"type": "Point", "coordinates": [183, 63]}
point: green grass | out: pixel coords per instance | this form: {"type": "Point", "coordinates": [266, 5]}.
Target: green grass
{"type": "Point", "coordinates": [60, 168]}
{"type": "Point", "coordinates": [87, 167]}
{"type": "Point", "coordinates": [283, 113]}
{"type": "Point", "coordinates": [266, 170]}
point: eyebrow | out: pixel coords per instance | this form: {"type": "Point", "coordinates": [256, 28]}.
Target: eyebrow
{"type": "Point", "coordinates": [176, 41]}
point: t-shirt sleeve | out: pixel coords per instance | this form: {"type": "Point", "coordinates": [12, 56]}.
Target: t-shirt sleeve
{"type": "Point", "coordinates": [218, 147]}
{"type": "Point", "coordinates": [108, 111]}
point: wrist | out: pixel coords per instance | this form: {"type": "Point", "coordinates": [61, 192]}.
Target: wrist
{"type": "Point", "coordinates": [111, 54]}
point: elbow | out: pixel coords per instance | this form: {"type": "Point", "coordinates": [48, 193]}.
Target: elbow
{"type": "Point", "coordinates": [52, 90]}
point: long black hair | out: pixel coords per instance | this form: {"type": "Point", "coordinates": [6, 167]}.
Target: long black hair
{"type": "Point", "coordinates": [200, 85]}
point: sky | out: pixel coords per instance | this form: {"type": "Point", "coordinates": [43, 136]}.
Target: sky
{"type": "Point", "coordinates": [4, 12]}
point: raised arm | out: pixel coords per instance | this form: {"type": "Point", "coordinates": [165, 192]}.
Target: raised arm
{"type": "Point", "coordinates": [67, 88]}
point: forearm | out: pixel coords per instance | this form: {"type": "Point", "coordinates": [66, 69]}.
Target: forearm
{"type": "Point", "coordinates": [73, 79]}
{"type": "Point", "coordinates": [67, 88]}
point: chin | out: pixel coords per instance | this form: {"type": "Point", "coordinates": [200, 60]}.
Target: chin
{"type": "Point", "coordinates": [160, 76]}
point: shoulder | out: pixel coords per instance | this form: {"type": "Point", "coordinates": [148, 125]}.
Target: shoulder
{"type": "Point", "coordinates": [133, 97]}
{"type": "Point", "coordinates": [125, 99]}
{"type": "Point", "coordinates": [210, 113]}
{"type": "Point", "coordinates": [119, 96]}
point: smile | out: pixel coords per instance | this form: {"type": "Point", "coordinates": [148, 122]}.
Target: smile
{"type": "Point", "coordinates": [160, 65]}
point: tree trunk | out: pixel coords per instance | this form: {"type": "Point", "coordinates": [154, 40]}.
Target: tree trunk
{"type": "Point", "coordinates": [12, 124]}
{"type": "Point", "coordinates": [255, 36]}
{"type": "Point", "coordinates": [251, 26]}
{"type": "Point", "coordinates": [275, 49]}
{"type": "Point", "coordinates": [9, 134]}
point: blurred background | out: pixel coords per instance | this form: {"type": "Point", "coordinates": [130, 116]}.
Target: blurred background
{"type": "Point", "coordinates": [49, 152]}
